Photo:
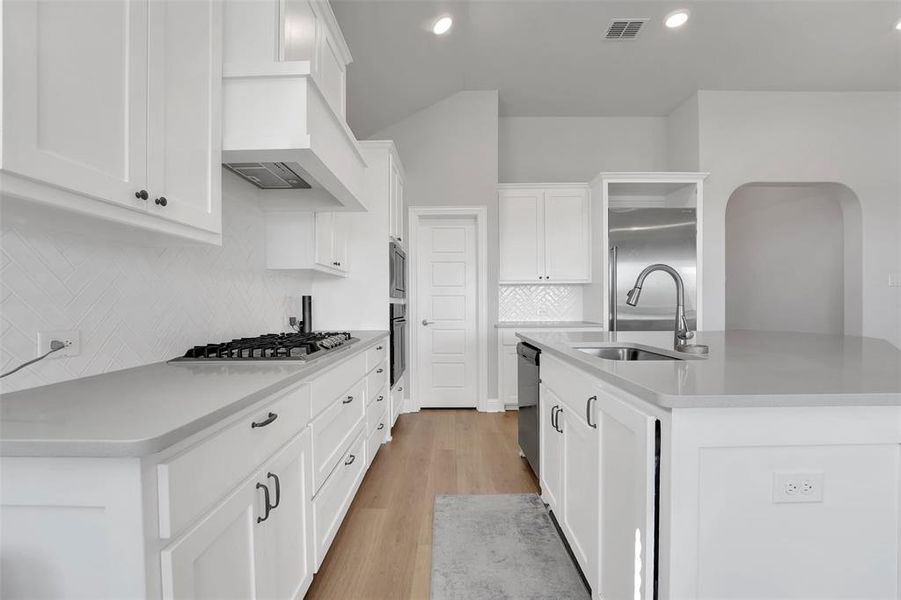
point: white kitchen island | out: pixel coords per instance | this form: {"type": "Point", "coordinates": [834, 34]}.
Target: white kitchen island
{"type": "Point", "coordinates": [779, 464]}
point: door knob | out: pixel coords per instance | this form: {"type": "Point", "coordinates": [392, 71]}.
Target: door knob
{"type": "Point", "coordinates": [426, 322]}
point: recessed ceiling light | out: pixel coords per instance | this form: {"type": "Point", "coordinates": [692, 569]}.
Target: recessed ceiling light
{"type": "Point", "coordinates": [442, 25]}
{"type": "Point", "coordinates": [898, 25]}
{"type": "Point", "coordinates": [677, 18]}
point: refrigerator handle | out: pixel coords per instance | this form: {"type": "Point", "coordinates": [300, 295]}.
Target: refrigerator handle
{"type": "Point", "coordinates": [612, 278]}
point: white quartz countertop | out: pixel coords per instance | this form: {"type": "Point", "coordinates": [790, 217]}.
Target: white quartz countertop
{"type": "Point", "coordinates": [743, 369]}
{"type": "Point", "coordinates": [547, 324]}
{"type": "Point", "coordinates": [140, 411]}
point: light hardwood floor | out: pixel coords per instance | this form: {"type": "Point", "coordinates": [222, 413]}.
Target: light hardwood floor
{"type": "Point", "coordinates": [383, 550]}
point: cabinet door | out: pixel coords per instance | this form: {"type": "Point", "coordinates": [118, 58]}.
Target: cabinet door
{"type": "Point", "coordinates": [286, 538]}
{"type": "Point", "coordinates": [324, 234]}
{"type": "Point", "coordinates": [627, 494]}
{"type": "Point", "coordinates": [551, 448]}
{"type": "Point", "coordinates": [218, 558]}
{"type": "Point", "coordinates": [580, 490]}
{"type": "Point", "coordinates": [521, 236]}
{"type": "Point", "coordinates": [184, 137]}
{"type": "Point", "coordinates": [398, 202]}
{"type": "Point", "coordinates": [509, 383]}
{"type": "Point", "coordinates": [566, 234]}
{"type": "Point", "coordinates": [75, 114]}
{"type": "Point", "coordinates": [340, 243]}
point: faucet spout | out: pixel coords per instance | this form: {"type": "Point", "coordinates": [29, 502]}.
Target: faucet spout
{"type": "Point", "coordinates": [681, 333]}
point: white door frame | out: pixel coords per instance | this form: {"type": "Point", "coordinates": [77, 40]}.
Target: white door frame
{"type": "Point", "coordinates": [481, 217]}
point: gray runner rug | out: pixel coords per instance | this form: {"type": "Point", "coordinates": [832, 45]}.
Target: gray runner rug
{"type": "Point", "coordinates": [495, 547]}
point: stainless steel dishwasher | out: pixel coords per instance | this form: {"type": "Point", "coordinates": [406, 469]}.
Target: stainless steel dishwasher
{"type": "Point", "coordinates": [527, 368]}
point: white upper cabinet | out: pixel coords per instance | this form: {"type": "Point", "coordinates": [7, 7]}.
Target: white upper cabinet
{"type": "Point", "coordinates": [396, 204]}
{"type": "Point", "coordinates": [124, 128]}
{"type": "Point", "coordinates": [308, 241]}
{"type": "Point", "coordinates": [75, 114]}
{"type": "Point", "coordinates": [184, 148]}
{"type": "Point", "coordinates": [521, 217]}
{"type": "Point", "coordinates": [544, 234]}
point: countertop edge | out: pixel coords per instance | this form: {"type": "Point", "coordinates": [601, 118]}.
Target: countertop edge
{"type": "Point", "coordinates": [723, 401]}
{"type": "Point", "coordinates": [137, 449]}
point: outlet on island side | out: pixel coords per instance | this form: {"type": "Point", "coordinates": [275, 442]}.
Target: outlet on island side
{"type": "Point", "coordinates": [70, 337]}
{"type": "Point", "coordinates": [789, 487]}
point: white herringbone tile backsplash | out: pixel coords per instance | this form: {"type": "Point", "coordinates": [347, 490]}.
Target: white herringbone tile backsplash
{"type": "Point", "coordinates": [539, 303]}
{"type": "Point", "coordinates": [135, 305]}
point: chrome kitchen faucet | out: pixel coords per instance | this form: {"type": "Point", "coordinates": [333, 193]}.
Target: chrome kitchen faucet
{"type": "Point", "coordinates": [681, 334]}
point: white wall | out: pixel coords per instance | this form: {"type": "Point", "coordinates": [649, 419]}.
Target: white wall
{"type": "Point", "coordinates": [682, 143]}
{"type": "Point", "coordinates": [564, 149]}
{"type": "Point", "coordinates": [135, 304]}
{"type": "Point", "coordinates": [848, 138]}
{"type": "Point", "coordinates": [449, 151]}
{"type": "Point", "coordinates": [785, 259]}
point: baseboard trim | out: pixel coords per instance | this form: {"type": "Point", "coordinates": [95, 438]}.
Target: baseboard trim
{"type": "Point", "coordinates": [492, 405]}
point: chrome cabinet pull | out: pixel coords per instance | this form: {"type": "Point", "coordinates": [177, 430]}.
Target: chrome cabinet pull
{"type": "Point", "coordinates": [350, 460]}
{"type": "Point", "coordinates": [278, 489]}
{"type": "Point", "coordinates": [588, 412]}
{"type": "Point", "coordinates": [266, 498]}
{"type": "Point", "coordinates": [381, 426]}
{"type": "Point", "coordinates": [380, 398]}
{"type": "Point", "coordinates": [272, 417]}
{"type": "Point", "coordinates": [554, 410]}
{"type": "Point", "coordinates": [380, 370]}
{"type": "Point", "coordinates": [558, 426]}
{"type": "Point", "coordinates": [348, 400]}
{"type": "Point", "coordinates": [379, 347]}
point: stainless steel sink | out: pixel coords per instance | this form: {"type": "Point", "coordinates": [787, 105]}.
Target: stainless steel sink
{"type": "Point", "coordinates": [624, 353]}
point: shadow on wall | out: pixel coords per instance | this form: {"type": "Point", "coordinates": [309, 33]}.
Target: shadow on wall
{"type": "Point", "coordinates": [794, 258]}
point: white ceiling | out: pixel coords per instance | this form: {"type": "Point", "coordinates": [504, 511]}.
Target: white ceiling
{"type": "Point", "coordinates": [548, 57]}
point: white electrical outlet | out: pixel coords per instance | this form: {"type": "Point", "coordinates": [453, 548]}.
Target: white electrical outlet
{"type": "Point", "coordinates": [894, 280]}
{"type": "Point", "coordinates": [71, 338]}
{"type": "Point", "coordinates": [797, 487]}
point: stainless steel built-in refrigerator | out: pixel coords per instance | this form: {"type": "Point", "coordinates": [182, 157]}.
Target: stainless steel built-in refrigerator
{"type": "Point", "coordinates": [643, 236]}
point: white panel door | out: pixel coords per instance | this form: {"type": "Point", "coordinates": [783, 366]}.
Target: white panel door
{"type": "Point", "coordinates": [184, 138]}
{"type": "Point", "coordinates": [626, 492]}
{"type": "Point", "coordinates": [75, 79]}
{"type": "Point", "coordinates": [446, 295]}
{"type": "Point", "coordinates": [551, 448]}
{"type": "Point", "coordinates": [580, 493]}
{"type": "Point", "coordinates": [286, 538]}
{"type": "Point", "coordinates": [217, 558]}
{"type": "Point", "coordinates": [566, 234]}
{"type": "Point", "coordinates": [521, 236]}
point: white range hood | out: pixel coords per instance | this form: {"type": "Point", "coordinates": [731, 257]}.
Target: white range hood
{"type": "Point", "coordinates": [284, 90]}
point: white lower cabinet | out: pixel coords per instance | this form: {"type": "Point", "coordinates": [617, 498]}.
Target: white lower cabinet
{"type": "Point", "coordinates": [256, 543]}
{"type": "Point", "coordinates": [569, 455]}
{"type": "Point", "coordinates": [334, 498]}
{"type": "Point", "coordinates": [551, 445]}
{"type": "Point", "coordinates": [234, 511]}
{"type": "Point", "coordinates": [627, 494]}
{"type": "Point", "coordinates": [578, 516]}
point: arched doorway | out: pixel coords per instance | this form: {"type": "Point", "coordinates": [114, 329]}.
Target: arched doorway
{"type": "Point", "coordinates": [793, 258]}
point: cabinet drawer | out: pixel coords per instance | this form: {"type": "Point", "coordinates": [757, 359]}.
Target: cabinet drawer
{"type": "Point", "coordinates": [326, 388]}
{"type": "Point", "coordinates": [379, 397]}
{"type": "Point", "coordinates": [375, 439]}
{"type": "Point", "coordinates": [376, 414]}
{"type": "Point", "coordinates": [334, 428]}
{"type": "Point", "coordinates": [193, 480]}
{"type": "Point", "coordinates": [330, 504]}
{"type": "Point", "coordinates": [377, 379]}
{"type": "Point", "coordinates": [573, 386]}
{"type": "Point", "coordinates": [377, 354]}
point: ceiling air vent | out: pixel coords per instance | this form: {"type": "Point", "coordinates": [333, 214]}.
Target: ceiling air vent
{"type": "Point", "coordinates": [624, 29]}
